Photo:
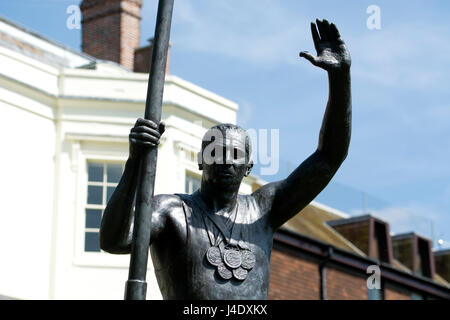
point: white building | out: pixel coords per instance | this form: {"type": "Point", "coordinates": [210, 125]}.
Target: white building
{"type": "Point", "coordinates": [64, 130]}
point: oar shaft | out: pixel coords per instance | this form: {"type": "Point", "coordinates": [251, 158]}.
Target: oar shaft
{"type": "Point", "coordinates": [136, 285]}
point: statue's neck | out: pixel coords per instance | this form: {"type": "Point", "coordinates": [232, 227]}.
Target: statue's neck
{"type": "Point", "coordinates": [218, 199]}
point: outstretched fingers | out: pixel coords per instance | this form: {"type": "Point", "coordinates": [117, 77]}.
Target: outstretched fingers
{"type": "Point", "coordinates": [308, 56]}
{"type": "Point", "coordinates": [315, 36]}
{"type": "Point", "coordinates": [330, 33]}
{"type": "Point", "coordinates": [321, 25]}
{"type": "Point", "coordinates": [334, 32]}
{"type": "Point", "coordinates": [326, 37]}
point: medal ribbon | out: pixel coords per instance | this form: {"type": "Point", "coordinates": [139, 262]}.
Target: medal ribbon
{"type": "Point", "coordinates": [217, 222]}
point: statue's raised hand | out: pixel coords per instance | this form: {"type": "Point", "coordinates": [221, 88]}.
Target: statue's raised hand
{"type": "Point", "coordinates": [332, 53]}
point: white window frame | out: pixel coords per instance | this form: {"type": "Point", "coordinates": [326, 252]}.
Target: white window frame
{"type": "Point", "coordinates": [81, 257]}
{"type": "Point", "coordinates": [104, 184]}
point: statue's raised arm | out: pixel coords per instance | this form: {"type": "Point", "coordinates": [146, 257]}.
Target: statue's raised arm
{"type": "Point", "coordinates": [283, 199]}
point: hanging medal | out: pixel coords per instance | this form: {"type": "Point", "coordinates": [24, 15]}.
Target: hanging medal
{"type": "Point", "coordinates": [248, 259]}
{"type": "Point", "coordinates": [240, 273]}
{"type": "Point", "coordinates": [232, 257]}
{"type": "Point", "coordinates": [230, 260]}
{"type": "Point", "coordinates": [224, 272]}
{"type": "Point", "coordinates": [214, 256]}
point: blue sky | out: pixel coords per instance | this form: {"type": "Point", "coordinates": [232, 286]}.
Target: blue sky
{"type": "Point", "coordinates": [247, 51]}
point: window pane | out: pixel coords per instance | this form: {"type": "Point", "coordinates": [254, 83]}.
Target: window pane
{"type": "Point", "coordinates": [186, 185]}
{"type": "Point", "coordinates": [114, 172]}
{"type": "Point", "coordinates": [94, 195]}
{"type": "Point", "coordinates": [195, 184]}
{"type": "Point", "coordinates": [93, 218]}
{"type": "Point", "coordinates": [91, 242]}
{"type": "Point", "coordinates": [192, 183]}
{"type": "Point", "coordinates": [95, 172]}
{"type": "Point", "coordinates": [109, 192]}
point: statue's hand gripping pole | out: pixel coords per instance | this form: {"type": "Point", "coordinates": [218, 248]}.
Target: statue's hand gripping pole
{"type": "Point", "coordinates": [136, 286]}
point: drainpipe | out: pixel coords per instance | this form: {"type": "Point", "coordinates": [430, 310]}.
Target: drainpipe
{"type": "Point", "coordinates": [322, 272]}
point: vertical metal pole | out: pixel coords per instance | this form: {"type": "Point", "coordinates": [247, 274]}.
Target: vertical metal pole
{"type": "Point", "coordinates": [136, 286]}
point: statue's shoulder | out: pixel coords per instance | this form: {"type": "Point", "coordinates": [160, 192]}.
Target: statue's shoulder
{"type": "Point", "coordinates": [254, 205]}
{"type": "Point", "coordinates": [166, 202]}
{"type": "Point", "coordinates": [246, 197]}
{"type": "Point", "coordinates": [191, 201]}
{"type": "Point", "coordinates": [248, 200]}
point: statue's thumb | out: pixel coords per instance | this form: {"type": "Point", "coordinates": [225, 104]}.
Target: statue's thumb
{"type": "Point", "coordinates": [308, 56]}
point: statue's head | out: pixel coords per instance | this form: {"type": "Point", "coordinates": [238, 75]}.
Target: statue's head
{"type": "Point", "coordinates": [225, 155]}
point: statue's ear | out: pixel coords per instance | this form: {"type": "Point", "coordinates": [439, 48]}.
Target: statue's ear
{"type": "Point", "coordinates": [200, 160]}
{"type": "Point", "coordinates": [249, 167]}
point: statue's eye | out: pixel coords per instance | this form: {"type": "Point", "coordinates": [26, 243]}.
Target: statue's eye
{"type": "Point", "coordinates": [238, 154]}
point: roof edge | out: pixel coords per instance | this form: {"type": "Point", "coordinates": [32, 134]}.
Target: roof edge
{"type": "Point", "coordinates": [44, 38]}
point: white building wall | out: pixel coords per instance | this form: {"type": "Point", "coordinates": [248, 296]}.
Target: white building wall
{"type": "Point", "coordinates": [26, 189]}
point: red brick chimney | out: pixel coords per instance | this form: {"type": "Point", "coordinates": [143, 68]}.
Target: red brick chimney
{"type": "Point", "coordinates": [143, 57]}
{"type": "Point", "coordinates": [369, 234]}
{"type": "Point", "coordinates": [414, 252]}
{"type": "Point", "coordinates": [111, 29]}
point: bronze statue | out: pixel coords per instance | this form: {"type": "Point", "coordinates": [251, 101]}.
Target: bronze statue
{"type": "Point", "coordinates": [215, 243]}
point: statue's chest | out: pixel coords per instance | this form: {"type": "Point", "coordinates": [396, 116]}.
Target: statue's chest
{"type": "Point", "coordinates": [246, 230]}
{"type": "Point", "coordinates": [236, 258]}
{"type": "Point", "coordinates": [184, 265]}
{"type": "Point", "coordinates": [239, 265]}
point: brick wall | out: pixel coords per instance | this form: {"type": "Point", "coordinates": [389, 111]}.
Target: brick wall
{"type": "Point", "coordinates": [395, 293]}
{"type": "Point", "coordinates": [293, 277]}
{"type": "Point", "coordinates": [296, 276]}
{"type": "Point", "coordinates": [344, 285]}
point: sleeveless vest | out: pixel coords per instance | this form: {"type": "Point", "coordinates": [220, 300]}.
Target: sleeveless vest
{"type": "Point", "coordinates": [188, 275]}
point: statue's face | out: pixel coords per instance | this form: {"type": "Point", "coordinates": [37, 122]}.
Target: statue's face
{"type": "Point", "coordinates": [225, 161]}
